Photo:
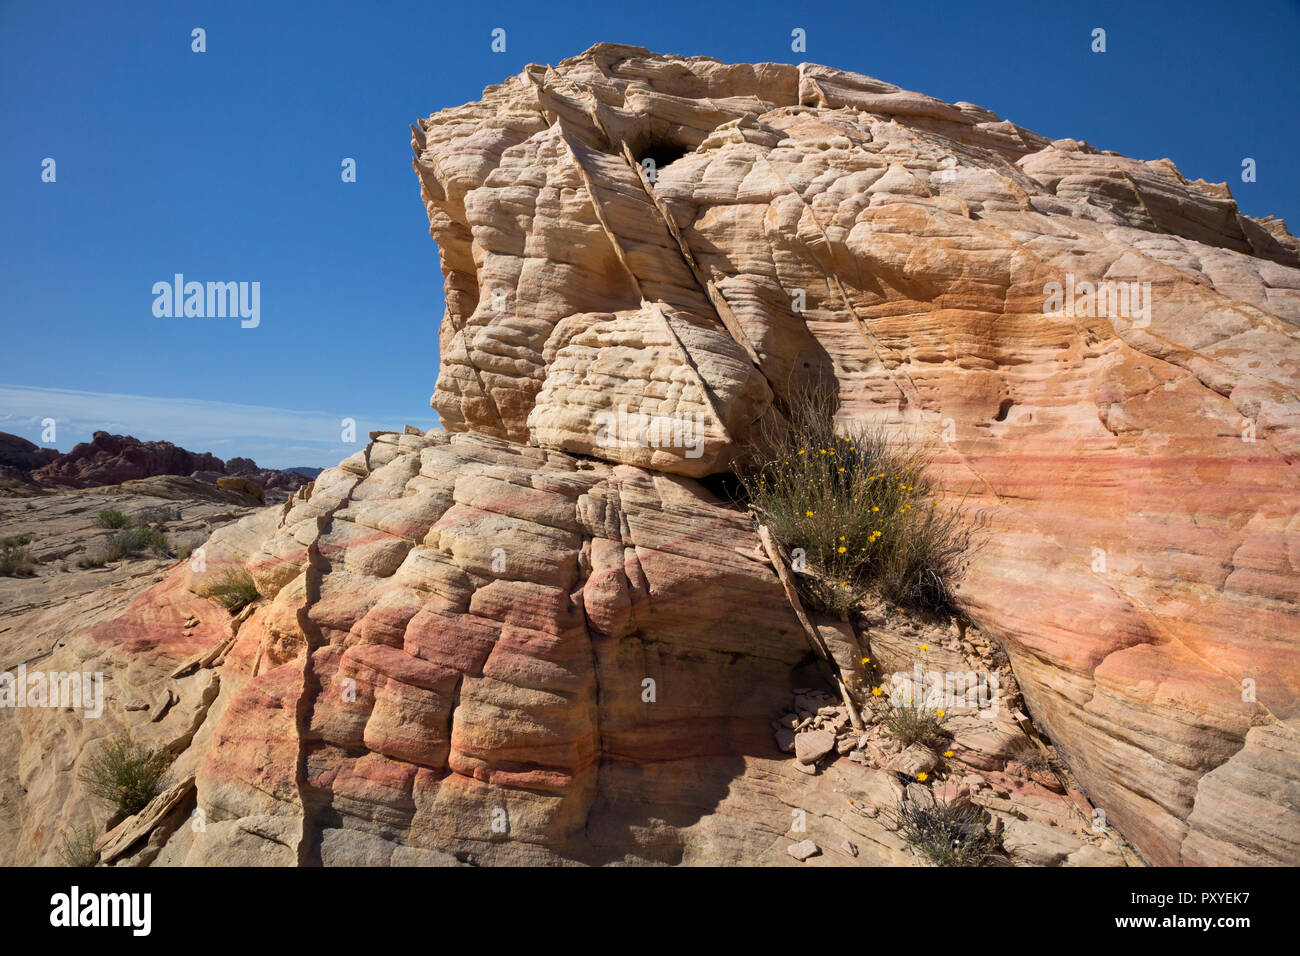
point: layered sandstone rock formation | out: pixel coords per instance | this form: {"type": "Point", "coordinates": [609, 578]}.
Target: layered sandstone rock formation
{"type": "Point", "coordinates": [1138, 468]}
{"type": "Point", "coordinates": [532, 638]}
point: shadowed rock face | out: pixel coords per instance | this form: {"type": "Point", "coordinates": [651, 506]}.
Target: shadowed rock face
{"type": "Point", "coordinates": [458, 628]}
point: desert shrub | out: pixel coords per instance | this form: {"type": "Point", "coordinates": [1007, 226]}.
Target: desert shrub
{"type": "Point", "coordinates": [124, 544]}
{"type": "Point", "coordinates": [158, 515]}
{"type": "Point", "coordinates": [134, 540]}
{"type": "Point", "coordinates": [126, 775]}
{"type": "Point", "coordinates": [855, 510]}
{"type": "Point", "coordinates": [914, 725]}
{"type": "Point", "coordinates": [948, 833]}
{"type": "Point", "coordinates": [78, 846]}
{"type": "Point", "coordinates": [16, 560]}
{"type": "Point", "coordinates": [235, 589]}
{"type": "Point", "coordinates": [112, 519]}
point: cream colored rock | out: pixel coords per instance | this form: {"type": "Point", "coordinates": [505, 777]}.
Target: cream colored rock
{"type": "Point", "coordinates": [1102, 354]}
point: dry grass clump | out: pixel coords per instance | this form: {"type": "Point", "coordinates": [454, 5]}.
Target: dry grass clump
{"type": "Point", "coordinates": [78, 846]}
{"type": "Point", "coordinates": [235, 589]}
{"type": "Point", "coordinates": [914, 725]}
{"type": "Point", "coordinates": [947, 833]}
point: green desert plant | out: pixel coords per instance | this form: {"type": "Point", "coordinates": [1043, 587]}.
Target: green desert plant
{"type": "Point", "coordinates": [78, 847]}
{"type": "Point", "coordinates": [235, 589]}
{"type": "Point", "coordinates": [126, 775]}
{"type": "Point", "coordinates": [948, 833]}
{"type": "Point", "coordinates": [855, 509]}
{"type": "Point", "coordinates": [134, 540]}
{"type": "Point", "coordinates": [126, 543]}
{"type": "Point", "coordinates": [16, 560]}
{"type": "Point", "coordinates": [112, 519]}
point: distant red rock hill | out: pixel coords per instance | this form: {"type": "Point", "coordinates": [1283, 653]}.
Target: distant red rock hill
{"type": "Point", "coordinates": [112, 459]}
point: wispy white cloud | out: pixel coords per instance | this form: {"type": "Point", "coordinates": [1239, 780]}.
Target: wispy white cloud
{"type": "Point", "coordinates": [273, 437]}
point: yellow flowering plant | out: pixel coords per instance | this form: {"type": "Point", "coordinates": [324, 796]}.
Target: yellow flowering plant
{"type": "Point", "coordinates": [841, 494]}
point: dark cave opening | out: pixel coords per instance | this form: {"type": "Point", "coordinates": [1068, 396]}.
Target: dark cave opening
{"type": "Point", "coordinates": [658, 154]}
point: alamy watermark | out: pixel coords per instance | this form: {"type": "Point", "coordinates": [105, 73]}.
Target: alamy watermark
{"type": "Point", "coordinates": [74, 908]}
{"type": "Point", "coordinates": [213, 300]}
{"type": "Point", "coordinates": [945, 690]}
{"type": "Point", "coordinates": [53, 689]}
{"type": "Point", "coordinates": [624, 429]}
{"type": "Point", "coordinates": [1130, 301]}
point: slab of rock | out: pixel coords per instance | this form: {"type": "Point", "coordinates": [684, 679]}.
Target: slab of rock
{"type": "Point", "coordinates": [243, 486]}
{"type": "Point", "coordinates": [1039, 843]}
{"type": "Point", "coordinates": [803, 850]}
{"type": "Point", "coordinates": [812, 745]}
{"type": "Point", "coordinates": [134, 828]}
{"type": "Point", "coordinates": [914, 760]}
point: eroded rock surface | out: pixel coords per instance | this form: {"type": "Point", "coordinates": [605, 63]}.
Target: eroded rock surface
{"type": "Point", "coordinates": [1136, 459]}
{"type": "Point", "coordinates": [466, 646]}
{"type": "Point", "coordinates": [44, 614]}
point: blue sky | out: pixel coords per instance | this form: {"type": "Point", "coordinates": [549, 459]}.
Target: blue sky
{"type": "Point", "coordinates": [225, 166]}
